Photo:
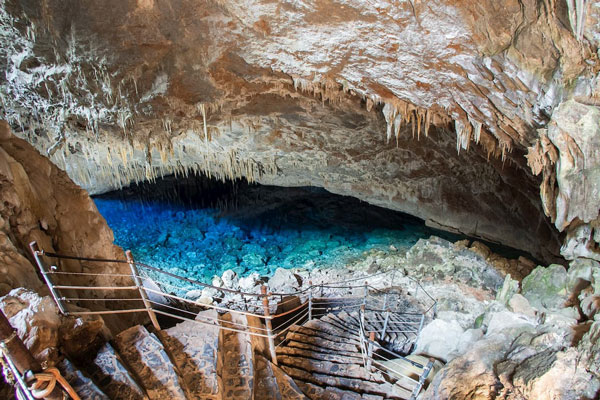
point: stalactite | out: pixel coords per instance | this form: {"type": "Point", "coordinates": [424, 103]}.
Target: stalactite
{"type": "Point", "coordinates": [577, 10]}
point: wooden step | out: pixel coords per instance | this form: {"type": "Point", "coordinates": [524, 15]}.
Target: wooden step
{"type": "Point", "coordinates": [82, 384]}
{"type": "Point", "coordinates": [111, 374]}
{"type": "Point", "coordinates": [318, 355]}
{"type": "Point", "coordinates": [315, 392]}
{"type": "Point", "coordinates": [235, 359]}
{"type": "Point", "coordinates": [145, 355]}
{"type": "Point", "coordinates": [346, 370]}
{"type": "Point", "coordinates": [325, 335]}
{"type": "Point", "coordinates": [271, 383]}
{"type": "Point", "coordinates": [348, 384]}
{"type": "Point", "coordinates": [315, 348]}
{"type": "Point", "coordinates": [193, 347]}
{"type": "Point", "coordinates": [325, 326]}
{"type": "Point", "coordinates": [287, 386]}
{"type": "Point", "coordinates": [320, 342]}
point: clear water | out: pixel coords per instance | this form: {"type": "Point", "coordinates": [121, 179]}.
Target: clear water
{"type": "Point", "coordinates": [197, 230]}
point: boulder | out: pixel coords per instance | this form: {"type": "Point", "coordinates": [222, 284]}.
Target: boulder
{"type": "Point", "coordinates": [546, 287]}
{"type": "Point", "coordinates": [230, 279]}
{"type": "Point", "coordinates": [506, 320]}
{"type": "Point", "coordinates": [283, 281]}
{"type": "Point", "coordinates": [590, 306]}
{"type": "Point", "coordinates": [248, 283]}
{"type": "Point", "coordinates": [520, 305]}
{"type": "Point", "coordinates": [581, 273]}
{"type": "Point", "coordinates": [509, 288]}
{"type": "Point", "coordinates": [44, 330]}
{"type": "Point", "coordinates": [440, 339]}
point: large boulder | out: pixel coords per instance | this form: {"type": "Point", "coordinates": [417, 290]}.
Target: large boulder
{"type": "Point", "coordinates": [283, 281]}
{"type": "Point", "coordinates": [45, 331]}
{"type": "Point", "coordinates": [546, 287]}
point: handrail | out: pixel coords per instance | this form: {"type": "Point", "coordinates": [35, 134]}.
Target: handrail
{"type": "Point", "coordinates": [262, 305]}
{"type": "Point", "coordinates": [367, 345]}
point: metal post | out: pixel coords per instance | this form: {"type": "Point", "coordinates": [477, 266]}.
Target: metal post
{"type": "Point", "coordinates": [14, 348]}
{"type": "Point", "coordinates": [310, 301]}
{"type": "Point", "coordinates": [361, 333]}
{"type": "Point", "coordinates": [422, 378]}
{"type": "Point", "coordinates": [385, 324]}
{"type": "Point", "coordinates": [365, 294]}
{"type": "Point", "coordinates": [421, 325]}
{"type": "Point", "coordinates": [268, 325]}
{"type": "Point", "coordinates": [140, 286]}
{"type": "Point", "coordinates": [38, 259]}
{"type": "Point", "coordinates": [370, 350]}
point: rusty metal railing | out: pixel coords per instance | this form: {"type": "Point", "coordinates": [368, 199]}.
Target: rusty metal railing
{"type": "Point", "coordinates": [146, 289]}
{"type": "Point", "coordinates": [378, 358]}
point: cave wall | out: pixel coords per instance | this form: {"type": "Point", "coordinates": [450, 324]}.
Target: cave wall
{"type": "Point", "coordinates": [424, 107]}
{"type": "Point", "coordinates": [41, 203]}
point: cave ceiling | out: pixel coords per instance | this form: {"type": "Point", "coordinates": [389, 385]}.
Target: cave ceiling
{"type": "Point", "coordinates": [427, 107]}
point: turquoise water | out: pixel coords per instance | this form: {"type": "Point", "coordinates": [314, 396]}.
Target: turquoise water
{"type": "Point", "coordinates": [199, 230]}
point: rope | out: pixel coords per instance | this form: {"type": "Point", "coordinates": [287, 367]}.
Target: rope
{"type": "Point", "coordinates": [45, 382]}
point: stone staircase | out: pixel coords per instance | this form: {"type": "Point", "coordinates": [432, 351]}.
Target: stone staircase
{"type": "Point", "coordinates": [319, 360]}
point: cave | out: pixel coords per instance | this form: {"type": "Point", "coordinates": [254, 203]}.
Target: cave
{"type": "Point", "coordinates": [200, 227]}
{"type": "Point", "coordinates": [324, 199]}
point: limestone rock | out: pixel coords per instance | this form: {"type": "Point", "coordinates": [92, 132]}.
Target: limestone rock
{"type": "Point", "coordinates": [230, 279]}
{"type": "Point", "coordinates": [520, 305]}
{"type": "Point", "coordinates": [582, 273]}
{"type": "Point", "coordinates": [508, 290]}
{"type": "Point", "coordinates": [44, 331]}
{"type": "Point", "coordinates": [41, 203]}
{"type": "Point", "coordinates": [576, 134]}
{"type": "Point", "coordinates": [505, 320]}
{"type": "Point", "coordinates": [546, 287]}
{"type": "Point", "coordinates": [249, 282]}
{"type": "Point", "coordinates": [439, 339]}
{"type": "Point", "coordinates": [283, 281]}
{"type": "Point", "coordinates": [473, 93]}
{"type": "Point", "coordinates": [438, 258]}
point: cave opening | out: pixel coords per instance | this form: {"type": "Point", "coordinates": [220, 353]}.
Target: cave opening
{"type": "Point", "coordinates": [199, 227]}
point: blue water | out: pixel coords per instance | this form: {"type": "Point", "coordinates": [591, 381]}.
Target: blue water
{"type": "Point", "coordinates": [255, 229]}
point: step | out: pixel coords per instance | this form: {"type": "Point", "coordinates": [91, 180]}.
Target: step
{"type": "Point", "coordinates": [193, 348]}
{"type": "Point", "coordinates": [265, 384]}
{"type": "Point", "coordinates": [287, 386]}
{"type": "Point", "coordinates": [315, 392]}
{"type": "Point", "coordinates": [320, 342]}
{"type": "Point", "coordinates": [235, 359]}
{"type": "Point", "coordinates": [315, 348]}
{"type": "Point", "coordinates": [113, 377]}
{"type": "Point", "coordinates": [349, 326]}
{"type": "Point", "coordinates": [145, 355]}
{"type": "Point", "coordinates": [323, 325]}
{"type": "Point", "coordinates": [318, 355]}
{"type": "Point", "coordinates": [83, 385]}
{"type": "Point", "coordinates": [363, 387]}
{"type": "Point", "coordinates": [346, 370]}
{"type": "Point", "coordinates": [271, 383]}
{"type": "Point", "coordinates": [325, 335]}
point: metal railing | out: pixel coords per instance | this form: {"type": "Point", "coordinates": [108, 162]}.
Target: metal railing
{"type": "Point", "coordinates": [146, 289]}
{"type": "Point", "coordinates": [378, 358]}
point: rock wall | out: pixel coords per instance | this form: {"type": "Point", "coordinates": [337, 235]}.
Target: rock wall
{"type": "Point", "coordinates": [41, 203]}
{"type": "Point", "coordinates": [397, 103]}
